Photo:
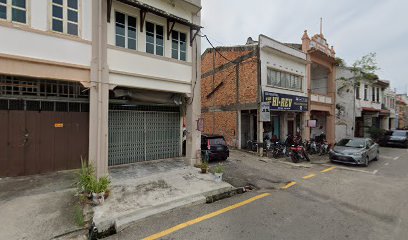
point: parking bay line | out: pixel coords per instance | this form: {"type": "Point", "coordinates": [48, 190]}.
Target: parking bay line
{"type": "Point", "coordinates": [205, 217]}
{"type": "Point", "coordinates": [396, 158]}
{"type": "Point", "coordinates": [328, 169]}
{"type": "Point", "coordinates": [350, 169]}
{"type": "Point", "coordinates": [309, 176]}
{"type": "Point", "coordinates": [290, 184]}
{"type": "Point", "coordinates": [386, 164]}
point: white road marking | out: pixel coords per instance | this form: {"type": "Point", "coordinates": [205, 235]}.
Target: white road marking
{"type": "Point", "coordinates": [396, 158]}
{"type": "Point", "coordinates": [386, 157]}
{"type": "Point", "coordinates": [386, 164]}
{"type": "Point", "coordinates": [375, 172]}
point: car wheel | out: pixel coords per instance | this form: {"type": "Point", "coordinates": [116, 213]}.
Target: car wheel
{"type": "Point", "coordinates": [376, 156]}
{"type": "Point", "coordinates": [367, 161]}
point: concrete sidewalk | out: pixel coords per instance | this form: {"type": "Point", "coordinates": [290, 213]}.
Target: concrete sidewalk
{"type": "Point", "coordinates": [37, 207]}
{"type": "Point", "coordinates": [148, 188]}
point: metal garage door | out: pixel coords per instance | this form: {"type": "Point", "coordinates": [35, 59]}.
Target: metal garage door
{"type": "Point", "coordinates": [43, 125]}
{"type": "Point", "coordinates": [35, 142]}
{"type": "Point", "coordinates": [136, 136]}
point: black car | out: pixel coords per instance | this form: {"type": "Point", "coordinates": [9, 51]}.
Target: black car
{"type": "Point", "coordinates": [215, 146]}
{"type": "Point", "coordinates": [397, 138]}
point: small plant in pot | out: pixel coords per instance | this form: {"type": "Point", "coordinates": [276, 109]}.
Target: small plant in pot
{"type": "Point", "coordinates": [204, 167]}
{"type": "Point", "coordinates": [218, 172]}
{"type": "Point", "coordinates": [85, 179]}
{"type": "Point", "coordinates": [100, 188]}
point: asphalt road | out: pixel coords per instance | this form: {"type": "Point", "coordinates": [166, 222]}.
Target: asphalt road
{"type": "Point", "coordinates": [345, 202]}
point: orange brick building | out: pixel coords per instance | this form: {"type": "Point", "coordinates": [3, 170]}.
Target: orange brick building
{"type": "Point", "coordinates": [228, 89]}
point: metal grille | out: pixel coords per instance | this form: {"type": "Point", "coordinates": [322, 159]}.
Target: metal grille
{"type": "Point", "coordinates": [136, 136]}
{"type": "Point", "coordinates": [20, 86]}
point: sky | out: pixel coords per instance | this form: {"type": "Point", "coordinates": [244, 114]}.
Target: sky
{"type": "Point", "coordinates": [354, 27]}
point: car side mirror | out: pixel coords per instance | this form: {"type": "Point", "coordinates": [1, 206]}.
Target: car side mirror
{"type": "Point", "coordinates": [367, 147]}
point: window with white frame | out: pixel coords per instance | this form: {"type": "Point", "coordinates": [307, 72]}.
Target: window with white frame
{"type": "Point", "coordinates": [358, 91]}
{"type": "Point", "coordinates": [13, 11]}
{"type": "Point", "coordinates": [365, 92]}
{"type": "Point", "coordinates": [282, 79]}
{"type": "Point", "coordinates": [178, 45]}
{"type": "Point", "coordinates": [154, 39]}
{"type": "Point", "coordinates": [65, 16]}
{"type": "Point", "coordinates": [125, 31]}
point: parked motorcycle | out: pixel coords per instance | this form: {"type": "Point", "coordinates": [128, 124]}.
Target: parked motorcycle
{"type": "Point", "coordinates": [298, 153]}
{"type": "Point", "coordinates": [252, 145]}
{"type": "Point", "coordinates": [279, 150]}
{"type": "Point", "coordinates": [322, 145]}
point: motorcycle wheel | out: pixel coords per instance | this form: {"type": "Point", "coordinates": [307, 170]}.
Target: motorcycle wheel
{"type": "Point", "coordinates": [306, 156]}
{"type": "Point", "coordinates": [294, 158]}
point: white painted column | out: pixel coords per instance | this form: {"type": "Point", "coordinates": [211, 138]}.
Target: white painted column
{"type": "Point", "coordinates": [193, 139]}
{"type": "Point", "coordinates": [99, 91]}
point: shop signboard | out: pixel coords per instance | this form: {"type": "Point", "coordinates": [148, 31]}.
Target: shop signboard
{"type": "Point", "coordinates": [286, 102]}
{"type": "Point", "coordinates": [265, 112]}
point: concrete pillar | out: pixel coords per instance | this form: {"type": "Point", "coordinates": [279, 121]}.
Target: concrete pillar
{"type": "Point", "coordinates": [260, 133]}
{"type": "Point", "coordinates": [99, 91]}
{"type": "Point", "coordinates": [306, 129]}
{"type": "Point", "coordinates": [283, 125]}
{"type": "Point", "coordinates": [239, 129]}
{"type": "Point", "coordinates": [251, 127]}
{"type": "Point", "coordinates": [330, 129]}
{"type": "Point", "coordinates": [193, 139]}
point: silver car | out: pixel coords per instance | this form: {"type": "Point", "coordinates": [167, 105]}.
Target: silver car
{"type": "Point", "coordinates": [359, 151]}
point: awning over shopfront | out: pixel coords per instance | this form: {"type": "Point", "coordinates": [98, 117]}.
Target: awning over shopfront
{"type": "Point", "coordinates": [373, 110]}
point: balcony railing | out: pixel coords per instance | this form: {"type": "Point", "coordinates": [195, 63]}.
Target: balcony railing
{"type": "Point", "coordinates": [321, 98]}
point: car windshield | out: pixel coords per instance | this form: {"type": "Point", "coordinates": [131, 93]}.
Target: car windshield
{"type": "Point", "coordinates": [356, 143]}
{"type": "Point", "coordinates": [399, 133]}
{"type": "Point", "coordinates": [217, 141]}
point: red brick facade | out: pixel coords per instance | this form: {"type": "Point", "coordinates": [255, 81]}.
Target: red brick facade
{"type": "Point", "coordinates": [219, 99]}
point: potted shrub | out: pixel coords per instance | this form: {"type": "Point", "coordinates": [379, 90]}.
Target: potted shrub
{"type": "Point", "coordinates": [85, 179]}
{"type": "Point", "coordinates": [99, 189]}
{"type": "Point", "coordinates": [204, 167]}
{"type": "Point", "coordinates": [218, 172]}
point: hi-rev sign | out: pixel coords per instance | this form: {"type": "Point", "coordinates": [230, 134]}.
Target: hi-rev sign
{"type": "Point", "coordinates": [285, 102]}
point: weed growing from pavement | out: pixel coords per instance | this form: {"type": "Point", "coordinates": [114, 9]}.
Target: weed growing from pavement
{"type": "Point", "coordinates": [79, 216]}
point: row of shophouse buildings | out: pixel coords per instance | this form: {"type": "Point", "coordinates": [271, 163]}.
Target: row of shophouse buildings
{"type": "Point", "coordinates": [116, 82]}
{"type": "Point", "coordinates": [268, 88]}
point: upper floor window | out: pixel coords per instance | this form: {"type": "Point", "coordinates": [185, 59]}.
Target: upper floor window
{"type": "Point", "coordinates": [283, 79]}
{"type": "Point", "coordinates": [358, 91]}
{"type": "Point", "coordinates": [125, 31]}
{"type": "Point", "coordinates": [65, 15]}
{"type": "Point", "coordinates": [178, 45]}
{"type": "Point", "coordinates": [13, 10]}
{"type": "Point", "coordinates": [378, 95]}
{"type": "Point", "coordinates": [154, 39]}
{"type": "Point", "coordinates": [366, 92]}
{"type": "Point", "coordinates": [373, 94]}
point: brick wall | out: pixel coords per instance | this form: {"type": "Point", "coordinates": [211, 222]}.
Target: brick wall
{"type": "Point", "coordinates": [222, 123]}
{"type": "Point", "coordinates": [248, 81]}
{"type": "Point", "coordinates": [219, 94]}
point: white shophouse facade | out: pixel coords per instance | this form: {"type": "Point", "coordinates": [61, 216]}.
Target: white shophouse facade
{"type": "Point", "coordinates": [361, 104]}
{"type": "Point", "coordinates": [283, 79]}
{"type": "Point", "coordinates": [61, 63]}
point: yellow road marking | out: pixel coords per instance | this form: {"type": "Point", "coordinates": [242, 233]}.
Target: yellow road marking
{"type": "Point", "coordinates": [309, 176]}
{"type": "Point", "coordinates": [288, 185]}
{"type": "Point", "coordinates": [205, 217]}
{"type": "Point", "coordinates": [328, 169]}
